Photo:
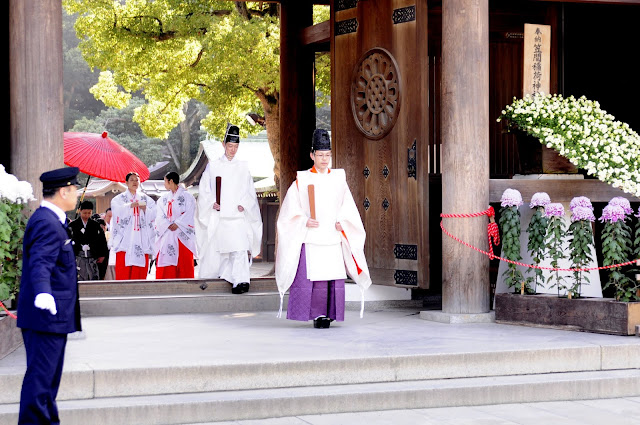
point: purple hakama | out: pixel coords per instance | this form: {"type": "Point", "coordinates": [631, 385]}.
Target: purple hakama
{"type": "Point", "coordinates": [308, 299]}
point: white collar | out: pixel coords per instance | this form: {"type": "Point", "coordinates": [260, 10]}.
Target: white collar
{"type": "Point", "coordinates": [56, 209]}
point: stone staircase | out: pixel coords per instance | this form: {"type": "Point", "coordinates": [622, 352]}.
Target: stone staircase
{"type": "Point", "coordinates": [103, 298]}
{"type": "Point", "coordinates": [230, 392]}
{"type": "Point", "coordinates": [357, 376]}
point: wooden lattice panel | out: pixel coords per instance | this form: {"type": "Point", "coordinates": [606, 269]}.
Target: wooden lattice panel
{"type": "Point", "coordinates": [375, 93]}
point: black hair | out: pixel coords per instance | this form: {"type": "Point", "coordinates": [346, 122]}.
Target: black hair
{"type": "Point", "coordinates": [131, 173]}
{"type": "Point", "coordinates": [49, 192]}
{"type": "Point", "coordinates": [86, 205]}
{"type": "Point", "coordinates": [107, 210]}
{"type": "Point", "coordinates": [173, 176]}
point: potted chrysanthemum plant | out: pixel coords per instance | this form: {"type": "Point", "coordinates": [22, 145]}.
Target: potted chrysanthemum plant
{"type": "Point", "coordinates": [510, 236]}
{"type": "Point", "coordinates": [580, 235]}
{"type": "Point", "coordinates": [556, 234]}
{"type": "Point", "coordinates": [616, 248]}
{"type": "Point", "coordinates": [537, 231]}
{"type": "Point", "coordinates": [14, 195]}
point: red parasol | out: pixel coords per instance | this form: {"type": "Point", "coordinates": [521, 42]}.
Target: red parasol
{"type": "Point", "coordinates": [99, 156]}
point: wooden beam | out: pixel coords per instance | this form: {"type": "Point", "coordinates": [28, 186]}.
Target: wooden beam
{"type": "Point", "coordinates": [316, 34]}
{"type": "Point", "coordinates": [559, 190]}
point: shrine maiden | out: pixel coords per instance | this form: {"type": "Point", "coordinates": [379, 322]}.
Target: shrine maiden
{"type": "Point", "coordinates": [132, 235]}
{"type": "Point", "coordinates": [175, 231]}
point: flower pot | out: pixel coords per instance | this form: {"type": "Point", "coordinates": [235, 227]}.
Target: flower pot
{"type": "Point", "coordinates": [598, 315]}
{"type": "Point", "coordinates": [536, 158]}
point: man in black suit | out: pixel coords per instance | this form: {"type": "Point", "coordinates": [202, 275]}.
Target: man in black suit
{"type": "Point", "coordinates": [89, 243]}
{"type": "Point", "coordinates": [48, 305]}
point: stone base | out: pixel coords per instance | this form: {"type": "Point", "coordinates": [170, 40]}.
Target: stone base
{"type": "Point", "coordinates": [10, 336]}
{"type": "Point", "coordinates": [442, 317]}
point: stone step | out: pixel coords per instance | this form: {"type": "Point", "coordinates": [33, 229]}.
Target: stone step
{"type": "Point", "coordinates": [226, 405]}
{"type": "Point", "coordinates": [133, 305]}
{"type": "Point", "coordinates": [85, 382]}
{"type": "Point", "coordinates": [131, 297]}
{"type": "Point", "coordinates": [125, 288]}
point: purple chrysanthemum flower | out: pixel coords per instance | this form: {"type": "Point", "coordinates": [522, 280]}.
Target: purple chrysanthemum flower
{"type": "Point", "coordinates": [582, 213]}
{"type": "Point", "coordinates": [555, 209]}
{"type": "Point", "coordinates": [638, 215]}
{"type": "Point", "coordinates": [511, 198]}
{"type": "Point", "coordinates": [622, 202]}
{"type": "Point", "coordinates": [613, 213]}
{"type": "Point", "coordinates": [580, 201]}
{"type": "Point", "coordinates": [539, 199]}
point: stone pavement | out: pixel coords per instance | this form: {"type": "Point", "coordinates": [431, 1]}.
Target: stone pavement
{"type": "Point", "coordinates": [254, 343]}
{"type": "Point", "coordinates": [618, 411]}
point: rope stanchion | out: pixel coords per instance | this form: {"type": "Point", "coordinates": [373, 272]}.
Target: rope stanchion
{"type": "Point", "coordinates": [10, 314]}
{"type": "Point", "coordinates": [493, 230]}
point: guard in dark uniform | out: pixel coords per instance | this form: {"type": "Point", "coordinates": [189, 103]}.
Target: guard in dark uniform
{"type": "Point", "coordinates": [89, 243]}
{"type": "Point", "coordinates": [48, 305]}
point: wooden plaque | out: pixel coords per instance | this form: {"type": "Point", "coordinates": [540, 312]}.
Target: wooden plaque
{"type": "Point", "coordinates": [537, 64]}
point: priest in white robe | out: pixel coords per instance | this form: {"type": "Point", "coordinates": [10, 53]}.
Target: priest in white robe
{"type": "Point", "coordinates": [315, 255]}
{"type": "Point", "coordinates": [132, 234]}
{"type": "Point", "coordinates": [175, 231]}
{"type": "Point", "coordinates": [229, 225]}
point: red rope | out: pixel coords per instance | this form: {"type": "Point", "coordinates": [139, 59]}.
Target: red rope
{"type": "Point", "coordinates": [493, 230]}
{"type": "Point", "coordinates": [8, 312]}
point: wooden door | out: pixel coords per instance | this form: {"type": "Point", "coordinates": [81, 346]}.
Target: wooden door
{"type": "Point", "coordinates": [380, 125]}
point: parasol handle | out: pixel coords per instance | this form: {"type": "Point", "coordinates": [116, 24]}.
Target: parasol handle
{"type": "Point", "coordinates": [82, 196]}
{"type": "Point", "coordinates": [312, 201]}
{"type": "Point", "coordinates": [218, 189]}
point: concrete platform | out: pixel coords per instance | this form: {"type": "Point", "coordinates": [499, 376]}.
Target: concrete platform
{"type": "Point", "coordinates": [143, 360]}
{"type": "Point", "coordinates": [190, 368]}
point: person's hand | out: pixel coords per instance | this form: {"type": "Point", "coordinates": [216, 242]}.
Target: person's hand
{"type": "Point", "coordinates": [216, 206]}
{"type": "Point", "coordinates": [240, 208]}
{"type": "Point", "coordinates": [100, 260]}
{"type": "Point", "coordinates": [173, 227]}
{"type": "Point", "coordinates": [45, 301]}
{"type": "Point", "coordinates": [312, 223]}
{"type": "Point", "coordinates": [338, 226]}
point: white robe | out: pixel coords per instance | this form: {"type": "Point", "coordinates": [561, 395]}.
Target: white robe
{"type": "Point", "coordinates": [175, 208]}
{"type": "Point", "coordinates": [334, 203]}
{"type": "Point", "coordinates": [133, 231]}
{"type": "Point", "coordinates": [221, 233]}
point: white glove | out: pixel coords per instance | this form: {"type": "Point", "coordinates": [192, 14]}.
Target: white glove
{"type": "Point", "coordinates": [45, 301]}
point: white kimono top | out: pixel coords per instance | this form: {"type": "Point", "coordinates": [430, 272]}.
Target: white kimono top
{"type": "Point", "coordinates": [132, 228]}
{"type": "Point", "coordinates": [329, 253]}
{"type": "Point", "coordinates": [175, 208]}
{"type": "Point", "coordinates": [227, 230]}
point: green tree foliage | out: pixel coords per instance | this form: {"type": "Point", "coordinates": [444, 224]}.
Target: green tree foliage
{"type": "Point", "coordinates": [78, 78]}
{"type": "Point", "coordinates": [223, 54]}
{"type": "Point", "coordinates": [121, 128]}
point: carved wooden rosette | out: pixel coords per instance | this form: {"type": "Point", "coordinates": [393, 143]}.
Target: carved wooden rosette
{"type": "Point", "coordinates": [375, 93]}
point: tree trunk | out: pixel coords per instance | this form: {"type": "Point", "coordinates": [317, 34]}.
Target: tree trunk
{"type": "Point", "coordinates": [185, 139]}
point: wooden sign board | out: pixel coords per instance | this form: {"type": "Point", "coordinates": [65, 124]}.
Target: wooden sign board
{"type": "Point", "coordinates": [536, 79]}
{"type": "Point", "coordinates": [537, 63]}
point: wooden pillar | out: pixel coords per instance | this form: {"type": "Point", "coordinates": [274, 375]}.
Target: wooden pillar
{"type": "Point", "coordinates": [465, 153]}
{"type": "Point", "coordinates": [37, 112]}
{"type": "Point", "coordinates": [297, 105]}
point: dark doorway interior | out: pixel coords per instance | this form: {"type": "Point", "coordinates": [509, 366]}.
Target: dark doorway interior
{"type": "Point", "coordinates": [600, 52]}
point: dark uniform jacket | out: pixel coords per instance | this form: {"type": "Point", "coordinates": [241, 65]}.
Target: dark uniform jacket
{"type": "Point", "coordinates": [48, 265]}
{"type": "Point", "coordinates": [93, 236]}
